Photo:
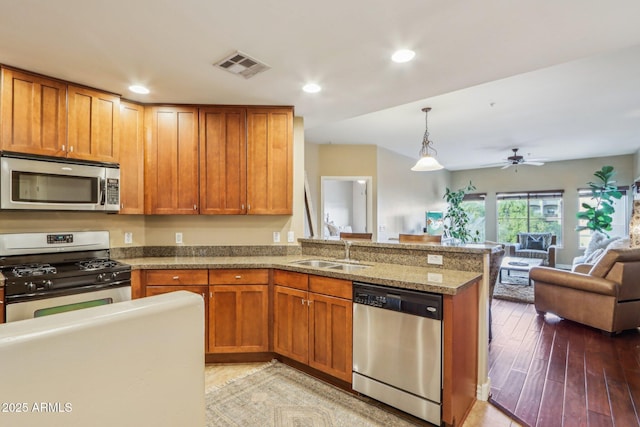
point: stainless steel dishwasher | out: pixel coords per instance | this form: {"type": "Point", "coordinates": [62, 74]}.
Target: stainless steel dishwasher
{"type": "Point", "coordinates": [397, 348]}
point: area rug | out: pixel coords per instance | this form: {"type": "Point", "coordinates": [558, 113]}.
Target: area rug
{"type": "Point", "coordinates": [514, 287]}
{"type": "Point", "coordinates": [282, 396]}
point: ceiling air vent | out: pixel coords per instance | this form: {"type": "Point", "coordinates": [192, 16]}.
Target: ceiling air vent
{"type": "Point", "coordinates": [242, 64]}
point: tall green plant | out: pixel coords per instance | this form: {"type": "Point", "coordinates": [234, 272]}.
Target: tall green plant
{"type": "Point", "coordinates": [599, 214]}
{"type": "Point", "coordinates": [458, 218]}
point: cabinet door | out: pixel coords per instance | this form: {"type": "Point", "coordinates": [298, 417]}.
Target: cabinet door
{"type": "Point", "coordinates": [171, 160]}
{"type": "Point", "coordinates": [34, 114]}
{"type": "Point", "coordinates": [223, 160]}
{"type": "Point", "coordinates": [291, 323]}
{"type": "Point", "coordinates": [94, 124]}
{"type": "Point", "coordinates": [201, 290]}
{"type": "Point", "coordinates": [131, 158]}
{"type": "Point", "coordinates": [330, 335]}
{"type": "Point", "coordinates": [270, 161]}
{"type": "Point", "coordinates": [238, 318]}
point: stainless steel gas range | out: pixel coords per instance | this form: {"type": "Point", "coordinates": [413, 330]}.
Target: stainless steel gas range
{"type": "Point", "coordinates": [49, 273]}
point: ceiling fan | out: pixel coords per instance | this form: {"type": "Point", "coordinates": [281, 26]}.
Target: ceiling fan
{"type": "Point", "coordinates": [517, 159]}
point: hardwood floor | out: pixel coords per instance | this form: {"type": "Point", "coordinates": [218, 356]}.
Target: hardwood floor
{"type": "Point", "coordinates": [552, 372]}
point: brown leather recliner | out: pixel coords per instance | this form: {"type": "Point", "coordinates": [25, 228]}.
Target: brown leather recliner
{"type": "Point", "coordinates": [606, 297]}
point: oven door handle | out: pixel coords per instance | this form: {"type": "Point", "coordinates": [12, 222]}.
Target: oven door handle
{"type": "Point", "coordinates": [12, 299]}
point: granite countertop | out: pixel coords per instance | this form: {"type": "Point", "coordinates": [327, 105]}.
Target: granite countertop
{"type": "Point", "coordinates": [437, 280]}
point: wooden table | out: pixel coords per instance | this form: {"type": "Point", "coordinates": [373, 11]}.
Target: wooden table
{"type": "Point", "coordinates": [510, 264]}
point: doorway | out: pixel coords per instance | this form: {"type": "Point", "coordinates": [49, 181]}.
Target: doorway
{"type": "Point", "coordinates": [346, 205]}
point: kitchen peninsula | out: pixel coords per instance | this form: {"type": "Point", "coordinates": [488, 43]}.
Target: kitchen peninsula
{"type": "Point", "coordinates": [260, 282]}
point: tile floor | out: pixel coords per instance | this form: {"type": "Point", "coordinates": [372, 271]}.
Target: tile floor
{"type": "Point", "coordinates": [483, 414]}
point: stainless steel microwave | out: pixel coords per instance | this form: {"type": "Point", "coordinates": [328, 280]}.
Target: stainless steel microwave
{"type": "Point", "coordinates": [50, 183]}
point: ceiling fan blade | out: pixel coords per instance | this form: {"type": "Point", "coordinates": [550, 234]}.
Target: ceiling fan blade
{"type": "Point", "coordinates": [532, 163]}
{"type": "Point", "coordinates": [507, 166]}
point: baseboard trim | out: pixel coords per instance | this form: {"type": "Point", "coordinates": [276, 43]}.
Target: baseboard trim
{"type": "Point", "coordinates": [483, 390]}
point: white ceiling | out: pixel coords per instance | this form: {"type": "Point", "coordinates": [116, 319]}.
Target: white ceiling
{"type": "Point", "coordinates": [558, 79]}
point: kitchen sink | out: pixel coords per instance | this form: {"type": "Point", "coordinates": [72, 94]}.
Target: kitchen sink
{"type": "Point", "coordinates": [333, 265]}
{"type": "Point", "coordinates": [316, 263]}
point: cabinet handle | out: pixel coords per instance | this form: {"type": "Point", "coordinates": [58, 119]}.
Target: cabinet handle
{"type": "Point", "coordinates": [302, 301]}
{"type": "Point", "coordinates": [238, 277]}
{"type": "Point", "coordinates": [308, 302]}
{"type": "Point", "coordinates": [121, 205]}
{"type": "Point", "coordinates": [176, 277]}
{"type": "Point", "coordinates": [248, 206]}
{"type": "Point", "coordinates": [203, 296]}
{"type": "Point", "coordinates": [242, 206]}
{"type": "Point", "coordinates": [210, 294]}
{"type": "Point", "coordinates": [64, 147]}
{"type": "Point", "coordinates": [195, 207]}
{"type": "Point", "coordinates": [71, 148]}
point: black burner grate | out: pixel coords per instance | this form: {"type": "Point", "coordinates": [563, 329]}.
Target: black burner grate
{"type": "Point", "coordinates": [33, 270]}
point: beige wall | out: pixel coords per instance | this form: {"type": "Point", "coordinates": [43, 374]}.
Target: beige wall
{"type": "Point", "coordinates": [311, 168]}
{"type": "Point", "coordinates": [161, 229]}
{"type": "Point", "coordinates": [404, 195]}
{"type": "Point", "coordinates": [567, 175]}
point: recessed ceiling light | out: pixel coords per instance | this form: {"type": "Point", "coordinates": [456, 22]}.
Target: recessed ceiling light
{"type": "Point", "coordinates": [139, 89]}
{"type": "Point", "coordinates": [403, 55]}
{"type": "Point", "coordinates": [311, 88]}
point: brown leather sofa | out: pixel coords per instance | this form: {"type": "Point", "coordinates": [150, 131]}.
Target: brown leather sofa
{"type": "Point", "coordinates": [605, 295]}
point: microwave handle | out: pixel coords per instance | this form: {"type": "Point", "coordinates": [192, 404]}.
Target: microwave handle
{"type": "Point", "coordinates": [103, 191]}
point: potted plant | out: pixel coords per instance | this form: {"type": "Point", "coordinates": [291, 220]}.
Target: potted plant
{"type": "Point", "coordinates": [598, 215]}
{"type": "Point", "coordinates": [458, 219]}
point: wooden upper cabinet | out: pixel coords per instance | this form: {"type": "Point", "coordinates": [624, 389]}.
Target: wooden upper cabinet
{"type": "Point", "coordinates": [131, 158]}
{"type": "Point", "coordinates": [171, 160]}
{"type": "Point", "coordinates": [270, 161]}
{"type": "Point", "coordinates": [34, 114]}
{"type": "Point", "coordinates": [94, 123]}
{"type": "Point", "coordinates": [223, 160]}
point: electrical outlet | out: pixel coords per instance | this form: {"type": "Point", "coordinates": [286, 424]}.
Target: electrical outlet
{"type": "Point", "coordinates": [290, 237]}
{"type": "Point", "coordinates": [128, 238]}
{"type": "Point", "coordinates": [434, 259]}
{"type": "Point", "coordinates": [382, 228]}
{"type": "Point", "coordinates": [276, 237]}
{"type": "Point", "coordinates": [178, 238]}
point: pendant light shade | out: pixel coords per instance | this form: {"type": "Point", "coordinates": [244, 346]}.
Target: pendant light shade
{"type": "Point", "coordinates": [427, 162]}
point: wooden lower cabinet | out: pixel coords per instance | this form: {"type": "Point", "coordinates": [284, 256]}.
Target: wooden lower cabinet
{"type": "Point", "coordinates": [238, 311]}
{"type": "Point", "coordinates": [314, 326]}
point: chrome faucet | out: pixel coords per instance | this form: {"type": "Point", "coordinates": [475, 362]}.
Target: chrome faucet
{"type": "Point", "coordinates": [347, 249]}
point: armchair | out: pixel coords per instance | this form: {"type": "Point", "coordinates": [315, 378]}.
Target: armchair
{"type": "Point", "coordinates": [534, 245]}
{"type": "Point", "coordinates": [606, 297]}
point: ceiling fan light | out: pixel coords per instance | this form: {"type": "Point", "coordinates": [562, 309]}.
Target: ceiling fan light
{"type": "Point", "coordinates": [427, 164]}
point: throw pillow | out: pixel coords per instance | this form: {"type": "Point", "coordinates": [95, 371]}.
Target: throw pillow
{"type": "Point", "coordinates": [598, 240]}
{"type": "Point", "coordinates": [591, 259]}
{"type": "Point", "coordinates": [619, 243]}
{"type": "Point", "coordinates": [535, 242]}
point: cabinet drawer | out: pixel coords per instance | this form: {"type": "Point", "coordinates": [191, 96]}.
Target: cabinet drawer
{"type": "Point", "coordinates": [291, 279]}
{"type": "Point", "coordinates": [329, 286]}
{"type": "Point", "coordinates": [176, 277]}
{"type": "Point", "coordinates": [240, 276]}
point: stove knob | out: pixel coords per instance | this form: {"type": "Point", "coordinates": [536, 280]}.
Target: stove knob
{"type": "Point", "coordinates": [48, 284]}
{"type": "Point", "coordinates": [31, 287]}
{"type": "Point", "coordinates": [114, 275]}
{"type": "Point", "coordinates": [100, 277]}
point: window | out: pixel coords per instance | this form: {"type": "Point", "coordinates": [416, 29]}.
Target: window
{"type": "Point", "coordinates": [620, 217]}
{"type": "Point", "coordinates": [530, 212]}
{"type": "Point", "coordinates": [473, 204]}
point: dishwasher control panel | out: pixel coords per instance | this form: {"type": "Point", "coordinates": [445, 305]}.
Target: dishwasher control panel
{"type": "Point", "coordinates": [418, 303]}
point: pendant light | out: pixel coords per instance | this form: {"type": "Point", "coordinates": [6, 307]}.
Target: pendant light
{"type": "Point", "coordinates": [427, 162]}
